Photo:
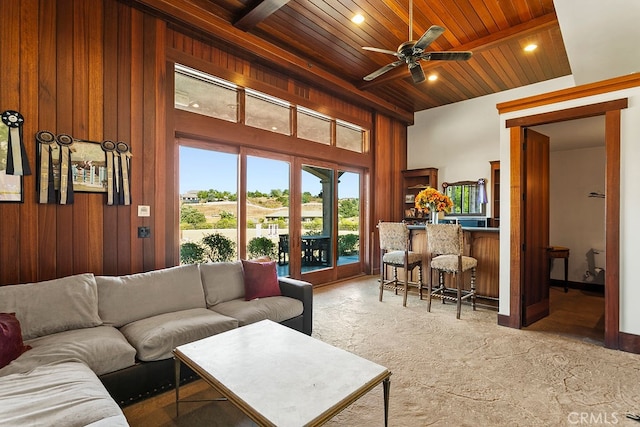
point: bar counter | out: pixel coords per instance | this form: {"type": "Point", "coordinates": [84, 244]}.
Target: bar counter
{"type": "Point", "coordinates": [482, 243]}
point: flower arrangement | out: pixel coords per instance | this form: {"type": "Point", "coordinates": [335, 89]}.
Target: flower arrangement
{"type": "Point", "coordinates": [432, 200]}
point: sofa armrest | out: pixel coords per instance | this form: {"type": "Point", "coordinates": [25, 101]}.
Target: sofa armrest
{"type": "Point", "coordinates": [302, 291]}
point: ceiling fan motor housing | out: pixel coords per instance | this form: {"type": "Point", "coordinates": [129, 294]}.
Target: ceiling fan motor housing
{"type": "Point", "coordinates": [405, 50]}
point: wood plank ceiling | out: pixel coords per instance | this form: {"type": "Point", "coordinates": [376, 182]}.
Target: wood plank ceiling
{"type": "Point", "coordinates": [320, 33]}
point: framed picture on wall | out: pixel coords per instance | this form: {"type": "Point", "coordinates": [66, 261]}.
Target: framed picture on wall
{"type": "Point", "coordinates": [89, 167]}
{"type": "Point", "coordinates": [409, 198]}
{"type": "Point", "coordinates": [11, 188]}
{"type": "Point", "coordinates": [10, 185]}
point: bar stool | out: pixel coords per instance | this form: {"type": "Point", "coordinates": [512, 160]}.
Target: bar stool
{"type": "Point", "coordinates": [445, 244]}
{"type": "Point", "coordinates": [395, 252]}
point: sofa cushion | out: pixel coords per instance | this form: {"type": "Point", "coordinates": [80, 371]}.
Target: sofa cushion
{"type": "Point", "coordinates": [277, 309]}
{"type": "Point", "coordinates": [260, 280]}
{"type": "Point", "coordinates": [222, 281]}
{"type": "Point", "coordinates": [11, 345]}
{"type": "Point", "coordinates": [155, 337]}
{"type": "Point", "coordinates": [61, 394]}
{"type": "Point", "coordinates": [53, 306]}
{"type": "Point", "coordinates": [125, 299]}
{"type": "Point", "coordinates": [103, 348]}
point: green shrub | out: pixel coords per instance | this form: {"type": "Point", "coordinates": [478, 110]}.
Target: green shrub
{"type": "Point", "coordinates": [261, 246]}
{"type": "Point", "coordinates": [191, 253]}
{"type": "Point", "coordinates": [219, 248]}
{"type": "Point", "coordinates": [347, 244]}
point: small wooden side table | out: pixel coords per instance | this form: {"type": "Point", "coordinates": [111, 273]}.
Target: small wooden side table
{"type": "Point", "coordinates": [559, 252]}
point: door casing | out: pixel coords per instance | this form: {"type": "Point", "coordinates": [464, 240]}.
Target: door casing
{"type": "Point", "coordinates": [612, 112]}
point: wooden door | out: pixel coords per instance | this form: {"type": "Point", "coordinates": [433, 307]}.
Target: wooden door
{"type": "Point", "coordinates": [535, 295]}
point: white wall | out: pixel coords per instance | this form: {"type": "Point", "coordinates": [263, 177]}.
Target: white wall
{"type": "Point", "coordinates": [576, 220]}
{"type": "Point", "coordinates": [460, 139]}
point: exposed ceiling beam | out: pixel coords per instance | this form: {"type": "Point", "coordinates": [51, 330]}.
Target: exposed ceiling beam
{"type": "Point", "coordinates": [258, 13]}
{"type": "Point", "coordinates": [476, 46]}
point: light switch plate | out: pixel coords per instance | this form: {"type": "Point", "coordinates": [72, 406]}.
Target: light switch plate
{"type": "Point", "coordinates": [144, 210]}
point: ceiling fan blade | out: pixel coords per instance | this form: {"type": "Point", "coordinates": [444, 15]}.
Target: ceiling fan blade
{"type": "Point", "coordinates": [382, 70]}
{"type": "Point", "coordinates": [428, 37]}
{"type": "Point", "coordinates": [377, 49]}
{"type": "Point", "coordinates": [416, 72]}
{"type": "Point", "coordinates": [445, 56]}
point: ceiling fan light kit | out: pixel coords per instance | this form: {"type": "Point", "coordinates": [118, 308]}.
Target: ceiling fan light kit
{"type": "Point", "coordinates": [411, 52]}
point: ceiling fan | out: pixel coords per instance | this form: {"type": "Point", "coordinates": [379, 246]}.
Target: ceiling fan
{"type": "Point", "coordinates": [411, 52]}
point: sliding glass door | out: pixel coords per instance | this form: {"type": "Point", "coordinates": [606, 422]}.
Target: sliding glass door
{"type": "Point", "coordinates": [267, 210]}
{"type": "Point", "coordinates": [316, 210]}
{"type": "Point", "coordinates": [348, 217]}
{"type": "Point", "coordinates": [241, 205]}
{"type": "Point", "coordinates": [208, 205]}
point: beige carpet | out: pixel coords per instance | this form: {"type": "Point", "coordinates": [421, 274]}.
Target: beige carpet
{"type": "Point", "coordinates": [448, 372]}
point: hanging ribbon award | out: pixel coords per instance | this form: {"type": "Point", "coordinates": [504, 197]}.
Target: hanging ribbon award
{"type": "Point", "coordinates": [17, 161]}
{"type": "Point", "coordinates": [66, 172]}
{"type": "Point", "coordinates": [46, 186]}
{"type": "Point", "coordinates": [109, 147]}
{"type": "Point", "coordinates": [124, 166]}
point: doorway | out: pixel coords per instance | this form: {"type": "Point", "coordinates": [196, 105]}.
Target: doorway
{"type": "Point", "coordinates": [576, 222]}
{"type": "Point", "coordinates": [611, 111]}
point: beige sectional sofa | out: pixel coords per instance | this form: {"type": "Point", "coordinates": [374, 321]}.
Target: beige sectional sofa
{"type": "Point", "coordinates": [100, 342]}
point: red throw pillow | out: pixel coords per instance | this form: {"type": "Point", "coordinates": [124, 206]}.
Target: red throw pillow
{"type": "Point", "coordinates": [260, 280]}
{"type": "Point", "coordinates": [11, 345]}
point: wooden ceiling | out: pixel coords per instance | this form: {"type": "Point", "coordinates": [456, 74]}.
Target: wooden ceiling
{"type": "Point", "coordinates": [309, 37]}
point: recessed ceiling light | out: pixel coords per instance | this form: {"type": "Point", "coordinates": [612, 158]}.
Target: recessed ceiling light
{"type": "Point", "coordinates": [357, 19]}
{"type": "Point", "coordinates": [432, 78]}
{"type": "Point", "coordinates": [530, 47]}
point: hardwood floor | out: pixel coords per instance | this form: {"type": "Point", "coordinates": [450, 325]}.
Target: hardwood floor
{"type": "Point", "coordinates": [577, 313]}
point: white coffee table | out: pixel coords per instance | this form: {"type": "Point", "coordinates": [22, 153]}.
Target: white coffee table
{"type": "Point", "coordinates": [280, 377]}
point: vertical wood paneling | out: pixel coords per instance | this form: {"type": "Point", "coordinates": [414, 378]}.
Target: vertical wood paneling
{"type": "Point", "coordinates": [64, 124]}
{"type": "Point", "coordinates": [165, 250]}
{"type": "Point", "coordinates": [136, 139]}
{"type": "Point", "coordinates": [96, 130]}
{"type": "Point", "coordinates": [9, 99]}
{"type": "Point", "coordinates": [110, 114]}
{"type": "Point", "coordinates": [389, 145]}
{"type": "Point", "coordinates": [29, 108]}
{"type": "Point", "coordinates": [79, 127]}
{"type": "Point", "coordinates": [46, 251]}
{"type": "Point", "coordinates": [124, 128]}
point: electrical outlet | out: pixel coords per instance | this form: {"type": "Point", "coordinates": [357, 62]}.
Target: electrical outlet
{"type": "Point", "coordinates": [144, 232]}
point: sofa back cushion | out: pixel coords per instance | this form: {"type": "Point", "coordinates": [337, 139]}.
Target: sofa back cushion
{"type": "Point", "coordinates": [53, 306]}
{"type": "Point", "coordinates": [222, 281]}
{"type": "Point", "coordinates": [125, 299]}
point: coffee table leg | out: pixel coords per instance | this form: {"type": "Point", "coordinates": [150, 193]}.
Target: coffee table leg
{"type": "Point", "coordinates": [386, 385]}
{"type": "Point", "coordinates": [176, 363]}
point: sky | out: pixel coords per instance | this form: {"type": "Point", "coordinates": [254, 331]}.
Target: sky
{"type": "Point", "coordinates": [205, 169]}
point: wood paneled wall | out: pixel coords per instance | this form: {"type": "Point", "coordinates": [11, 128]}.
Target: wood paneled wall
{"type": "Point", "coordinates": [93, 70]}
{"type": "Point", "coordinates": [97, 70]}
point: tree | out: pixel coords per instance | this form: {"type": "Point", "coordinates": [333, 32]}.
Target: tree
{"type": "Point", "coordinates": [348, 208]}
{"type": "Point", "coordinates": [190, 215]}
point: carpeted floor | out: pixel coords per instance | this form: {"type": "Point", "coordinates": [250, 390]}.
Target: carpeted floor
{"type": "Point", "coordinates": [448, 372]}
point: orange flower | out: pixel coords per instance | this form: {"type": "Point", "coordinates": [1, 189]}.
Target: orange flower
{"type": "Point", "coordinates": [431, 199]}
